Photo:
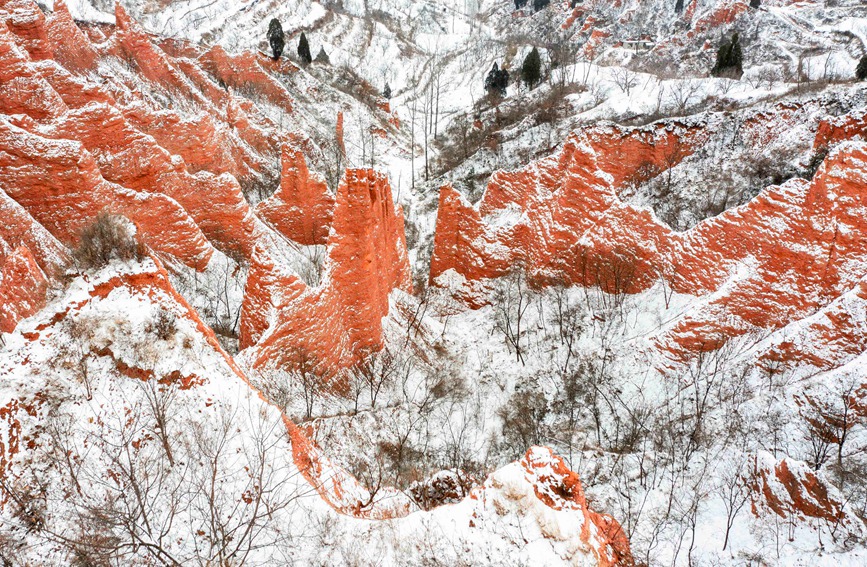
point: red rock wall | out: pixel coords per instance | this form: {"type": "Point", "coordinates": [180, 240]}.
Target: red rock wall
{"type": "Point", "coordinates": [303, 207]}
{"type": "Point", "coordinates": [22, 288]}
{"type": "Point", "coordinates": [560, 488]}
{"type": "Point", "coordinates": [337, 323]}
{"type": "Point", "coordinates": [782, 255]}
{"type": "Point", "coordinates": [789, 488]}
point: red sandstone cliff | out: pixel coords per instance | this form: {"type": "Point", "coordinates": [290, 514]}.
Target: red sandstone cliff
{"type": "Point", "coordinates": [340, 320]}
{"type": "Point", "coordinates": [787, 252]}
{"type": "Point", "coordinates": [302, 207]}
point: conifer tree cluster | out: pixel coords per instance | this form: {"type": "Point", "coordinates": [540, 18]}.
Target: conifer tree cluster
{"type": "Point", "coordinates": [497, 81]}
{"type": "Point", "coordinates": [729, 59]}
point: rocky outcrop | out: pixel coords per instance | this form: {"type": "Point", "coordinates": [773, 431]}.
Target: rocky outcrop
{"type": "Point", "coordinates": [791, 489]}
{"type": "Point", "coordinates": [838, 129]}
{"type": "Point", "coordinates": [303, 207]}
{"type": "Point", "coordinates": [336, 324]}
{"type": "Point", "coordinates": [22, 288]}
{"type": "Point", "coordinates": [244, 72]}
{"type": "Point", "coordinates": [69, 46]}
{"type": "Point", "coordinates": [782, 255]}
{"type": "Point", "coordinates": [59, 183]}
{"type": "Point", "coordinates": [541, 486]}
{"type": "Point", "coordinates": [20, 229]}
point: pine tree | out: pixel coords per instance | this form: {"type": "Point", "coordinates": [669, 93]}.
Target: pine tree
{"type": "Point", "coordinates": [755, 4]}
{"type": "Point", "coordinates": [737, 57]}
{"type": "Point", "coordinates": [304, 50]}
{"type": "Point", "coordinates": [861, 70]}
{"type": "Point", "coordinates": [491, 79]}
{"type": "Point", "coordinates": [497, 81]}
{"type": "Point", "coordinates": [275, 38]}
{"type": "Point", "coordinates": [678, 7]}
{"type": "Point", "coordinates": [729, 59]}
{"type": "Point", "coordinates": [386, 92]}
{"type": "Point", "coordinates": [540, 4]}
{"type": "Point", "coordinates": [322, 57]}
{"type": "Point", "coordinates": [531, 70]}
{"type": "Point", "coordinates": [520, 4]}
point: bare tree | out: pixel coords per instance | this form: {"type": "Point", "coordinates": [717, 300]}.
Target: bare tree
{"type": "Point", "coordinates": [625, 79]}
{"type": "Point", "coordinates": [734, 492]}
{"type": "Point", "coordinates": [511, 300]}
{"type": "Point", "coordinates": [830, 413]}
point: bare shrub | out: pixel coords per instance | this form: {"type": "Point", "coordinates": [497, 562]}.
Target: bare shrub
{"type": "Point", "coordinates": [164, 325]}
{"type": "Point", "coordinates": [109, 237]}
{"type": "Point", "coordinates": [523, 416]}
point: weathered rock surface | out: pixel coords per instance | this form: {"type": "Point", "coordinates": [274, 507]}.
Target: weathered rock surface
{"type": "Point", "coordinates": [790, 250]}
{"type": "Point", "coordinates": [22, 288]}
{"type": "Point", "coordinates": [303, 207]}
{"type": "Point", "coordinates": [541, 485]}
{"type": "Point", "coordinates": [340, 321]}
{"type": "Point", "coordinates": [791, 489]}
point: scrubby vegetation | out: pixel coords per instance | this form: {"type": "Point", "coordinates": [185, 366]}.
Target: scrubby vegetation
{"type": "Point", "coordinates": [109, 237]}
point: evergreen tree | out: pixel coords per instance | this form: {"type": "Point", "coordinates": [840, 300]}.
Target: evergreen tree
{"type": "Point", "coordinates": [304, 50]}
{"type": "Point", "coordinates": [729, 59]}
{"type": "Point", "coordinates": [322, 57]}
{"type": "Point", "coordinates": [520, 4]}
{"type": "Point", "coordinates": [755, 4]}
{"type": "Point", "coordinates": [678, 7]}
{"type": "Point", "coordinates": [386, 92]}
{"type": "Point", "coordinates": [531, 70]}
{"type": "Point", "coordinates": [275, 37]}
{"type": "Point", "coordinates": [540, 4]}
{"type": "Point", "coordinates": [497, 81]}
{"type": "Point", "coordinates": [491, 79]}
{"type": "Point", "coordinates": [861, 70]}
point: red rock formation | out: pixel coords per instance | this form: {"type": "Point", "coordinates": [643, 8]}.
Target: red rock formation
{"type": "Point", "coordinates": [22, 288]}
{"type": "Point", "coordinates": [244, 72]}
{"type": "Point", "coordinates": [59, 184]}
{"type": "Point", "coordinates": [28, 23]}
{"type": "Point", "coordinates": [337, 323]}
{"type": "Point", "coordinates": [20, 229]}
{"type": "Point", "coordinates": [131, 43]}
{"type": "Point", "coordinates": [22, 90]}
{"type": "Point", "coordinates": [838, 129]}
{"type": "Point", "coordinates": [824, 340]}
{"type": "Point", "coordinates": [789, 488]}
{"type": "Point", "coordinates": [303, 206]}
{"type": "Point", "coordinates": [69, 46]}
{"type": "Point", "coordinates": [556, 489]}
{"type": "Point", "coordinates": [781, 256]}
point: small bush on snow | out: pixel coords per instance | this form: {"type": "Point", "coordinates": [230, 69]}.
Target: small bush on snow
{"type": "Point", "coordinates": [109, 237]}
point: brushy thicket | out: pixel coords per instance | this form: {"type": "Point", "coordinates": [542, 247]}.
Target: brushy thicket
{"type": "Point", "coordinates": [109, 237]}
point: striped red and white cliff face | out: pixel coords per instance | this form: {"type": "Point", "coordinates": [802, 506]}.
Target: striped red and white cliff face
{"type": "Point", "coordinates": [340, 321]}
{"type": "Point", "coordinates": [168, 143]}
{"type": "Point", "coordinates": [302, 208]}
{"type": "Point", "coordinates": [789, 488]}
{"type": "Point", "coordinates": [22, 288]}
{"type": "Point", "coordinates": [771, 261]}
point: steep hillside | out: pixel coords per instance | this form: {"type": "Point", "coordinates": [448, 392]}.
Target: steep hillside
{"type": "Point", "coordinates": [257, 310]}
